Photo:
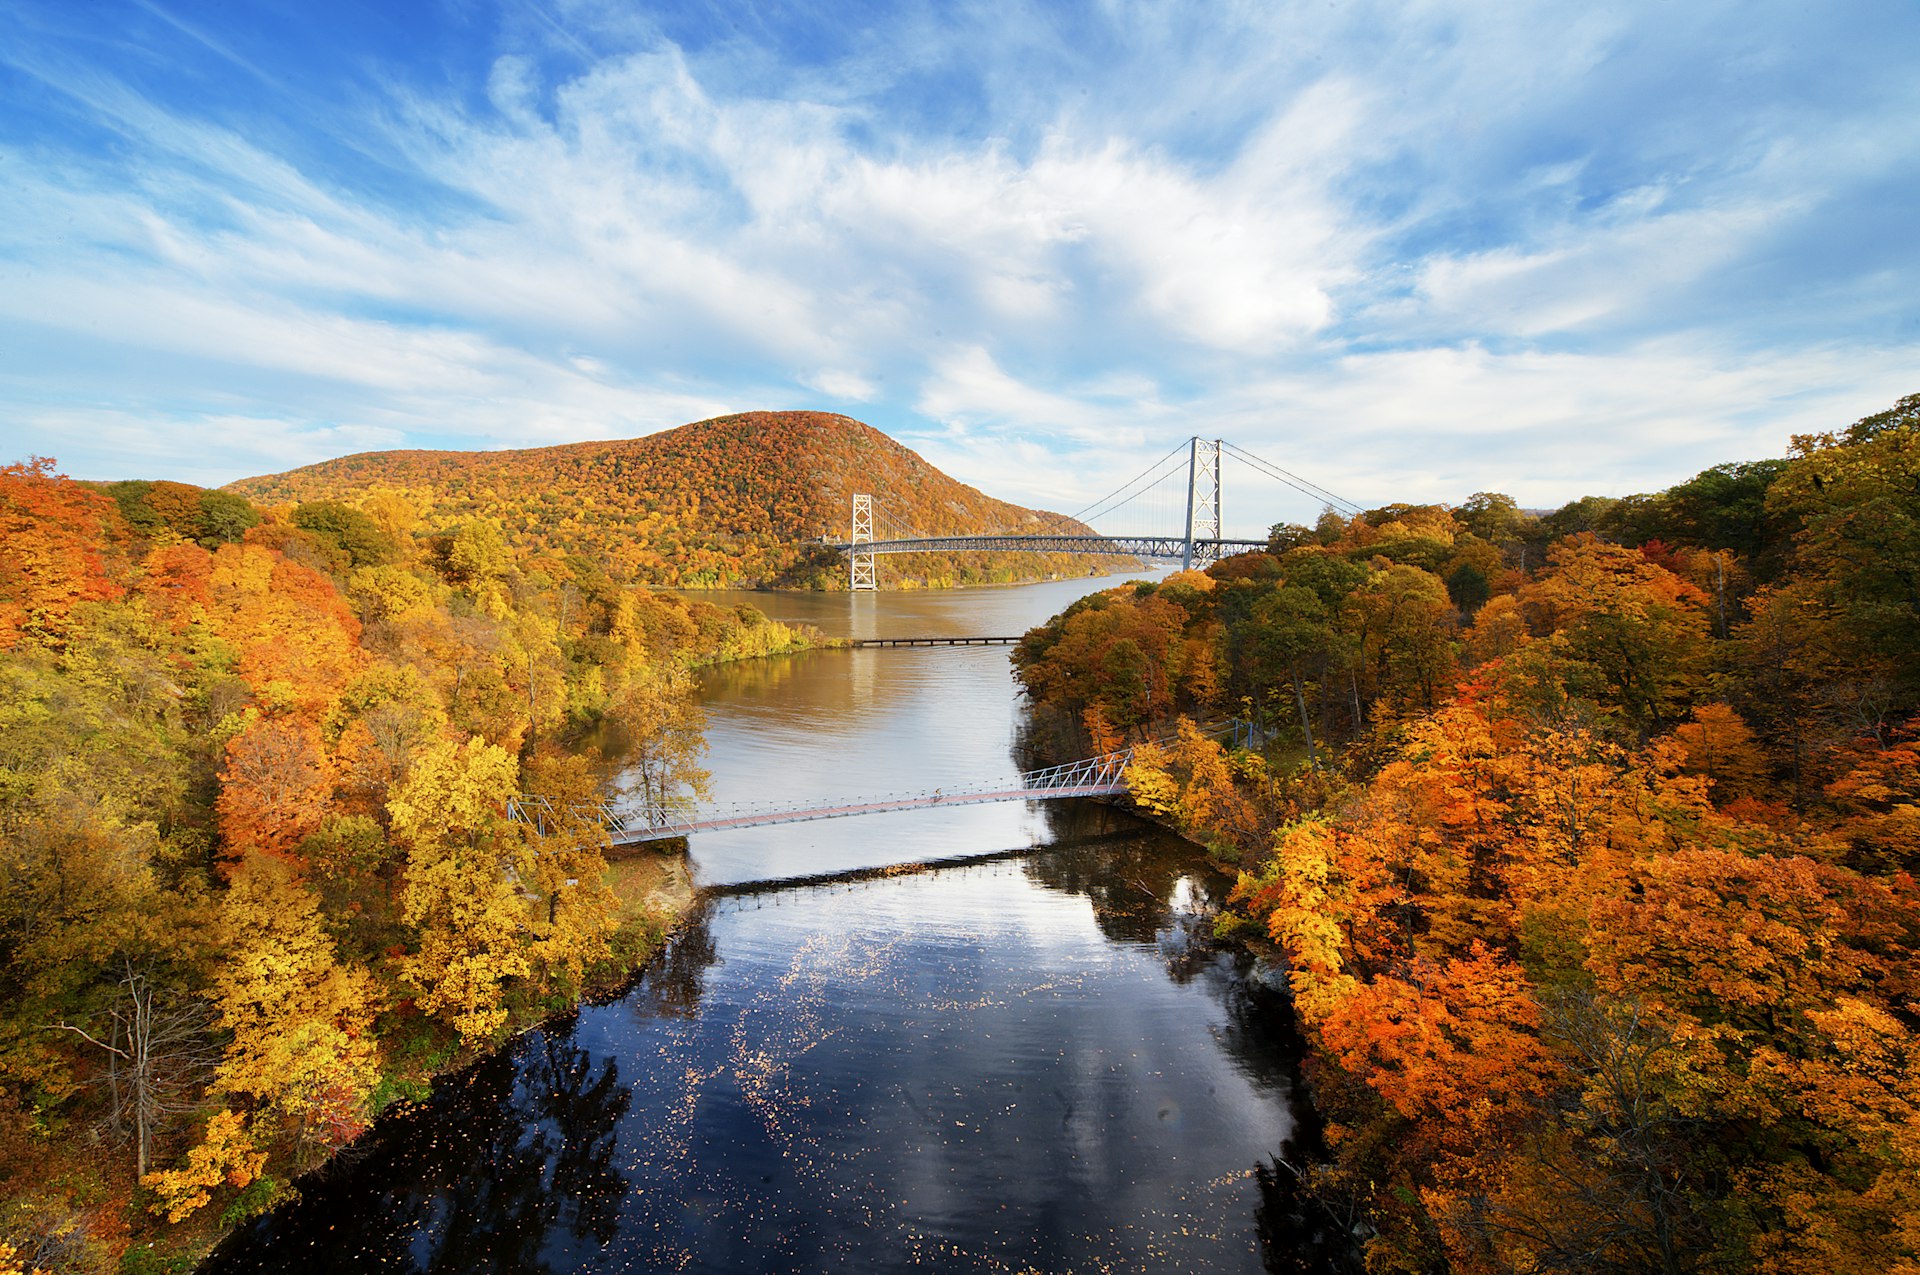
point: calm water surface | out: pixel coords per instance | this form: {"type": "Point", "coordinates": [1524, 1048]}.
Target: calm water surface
{"type": "Point", "coordinates": [1031, 1061]}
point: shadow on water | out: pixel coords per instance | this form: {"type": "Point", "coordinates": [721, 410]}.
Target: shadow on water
{"type": "Point", "coordinates": [541, 1118]}
{"type": "Point", "coordinates": [672, 984]}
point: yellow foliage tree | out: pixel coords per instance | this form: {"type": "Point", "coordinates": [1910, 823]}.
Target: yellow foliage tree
{"type": "Point", "coordinates": [11, 1262]}
{"type": "Point", "coordinates": [1308, 900]}
{"type": "Point", "coordinates": [575, 912]}
{"type": "Point", "coordinates": [300, 1020]}
{"type": "Point", "coordinates": [463, 856]}
{"type": "Point", "coordinates": [1191, 781]}
{"type": "Point", "coordinates": [226, 1154]}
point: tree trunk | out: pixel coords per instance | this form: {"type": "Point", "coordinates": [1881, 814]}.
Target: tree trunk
{"type": "Point", "coordinates": [1306, 726]}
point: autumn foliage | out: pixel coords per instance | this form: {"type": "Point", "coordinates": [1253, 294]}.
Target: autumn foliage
{"type": "Point", "coordinates": [1589, 842]}
{"type": "Point", "coordinates": [55, 533]}
{"type": "Point", "coordinates": [254, 775]}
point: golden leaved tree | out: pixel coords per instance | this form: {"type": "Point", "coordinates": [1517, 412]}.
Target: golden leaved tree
{"type": "Point", "coordinates": [463, 856]}
{"type": "Point", "coordinates": [575, 912]}
{"type": "Point", "coordinates": [300, 1020]}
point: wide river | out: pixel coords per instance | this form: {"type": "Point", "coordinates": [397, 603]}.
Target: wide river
{"type": "Point", "coordinates": [1031, 1059]}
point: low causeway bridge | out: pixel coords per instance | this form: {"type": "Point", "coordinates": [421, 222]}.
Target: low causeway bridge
{"type": "Point", "coordinates": [858, 643]}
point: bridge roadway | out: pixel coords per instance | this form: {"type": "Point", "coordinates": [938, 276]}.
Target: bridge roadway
{"type": "Point", "coordinates": [1124, 546]}
{"type": "Point", "coordinates": [932, 641]}
{"type": "Point", "coordinates": [1102, 776]}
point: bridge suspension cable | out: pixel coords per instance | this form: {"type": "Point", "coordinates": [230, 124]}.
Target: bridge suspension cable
{"type": "Point", "coordinates": [1340, 503]}
{"type": "Point", "coordinates": [1166, 494]}
{"type": "Point", "coordinates": [1119, 497]}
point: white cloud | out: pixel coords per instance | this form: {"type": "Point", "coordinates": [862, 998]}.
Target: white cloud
{"type": "Point", "coordinates": [842, 385]}
{"type": "Point", "coordinates": [1414, 247]}
{"type": "Point", "coordinates": [111, 443]}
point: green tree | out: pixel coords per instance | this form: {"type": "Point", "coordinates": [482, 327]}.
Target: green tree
{"type": "Point", "coordinates": [224, 518]}
{"type": "Point", "coordinates": [1286, 640]}
{"type": "Point", "coordinates": [1724, 507]}
{"type": "Point", "coordinates": [1493, 516]}
{"type": "Point", "coordinates": [346, 531]}
{"type": "Point", "coordinates": [1857, 504]}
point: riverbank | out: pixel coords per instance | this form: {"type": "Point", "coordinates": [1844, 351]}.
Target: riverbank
{"type": "Point", "coordinates": [657, 896]}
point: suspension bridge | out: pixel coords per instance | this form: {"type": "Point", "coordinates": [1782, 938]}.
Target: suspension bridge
{"type": "Point", "coordinates": [1184, 484]}
{"type": "Point", "coordinates": [1101, 776]}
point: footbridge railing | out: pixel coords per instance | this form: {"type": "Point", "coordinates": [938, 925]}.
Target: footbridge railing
{"type": "Point", "coordinates": [1164, 547]}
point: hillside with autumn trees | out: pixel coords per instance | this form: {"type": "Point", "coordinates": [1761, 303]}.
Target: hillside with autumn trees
{"type": "Point", "coordinates": [1587, 841]}
{"type": "Point", "coordinates": [739, 501]}
{"type": "Point", "coordinates": [259, 880]}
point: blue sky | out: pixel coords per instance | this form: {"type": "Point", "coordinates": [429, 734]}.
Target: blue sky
{"type": "Point", "coordinates": [1409, 250]}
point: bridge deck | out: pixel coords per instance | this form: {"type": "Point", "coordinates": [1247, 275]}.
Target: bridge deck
{"type": "Point", "coordinates": [1102, 776]}
{"type": "Point", "coordinates": [766, 818]}
{"type": "Point", "coordinates": [1125, 546]}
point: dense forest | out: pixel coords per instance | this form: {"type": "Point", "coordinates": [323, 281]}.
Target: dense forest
{"type": "Point", "coordinates": [1587, 839]}
{"type": "Point", "coordinates": [258, 880]}
{"type": "Point", "coordinates": [737, 501]}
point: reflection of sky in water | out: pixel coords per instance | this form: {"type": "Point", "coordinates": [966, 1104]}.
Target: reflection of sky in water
{"type": "Point", "coordinates": [1005, 1065]}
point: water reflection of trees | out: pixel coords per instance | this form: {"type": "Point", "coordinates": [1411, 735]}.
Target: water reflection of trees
{"type": "Point", "coordinates": [1132, 882]}
{"type": "Point", "coordinates": [547, 1131]}
{"type": "Point", "coordinates": [675, 981]}
{"type": "Point", "coordinates": [510, 1167]}
{"type": "Point", "coordinates": [748, 679]}
{"type": "Point", "coordinates": [1155, 890]}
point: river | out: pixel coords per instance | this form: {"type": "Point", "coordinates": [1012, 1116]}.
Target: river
{"type": "Point", "coordinates": [1030, 1059]}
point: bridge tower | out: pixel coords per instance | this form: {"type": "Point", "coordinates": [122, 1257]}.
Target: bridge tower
{"type": "Point", "coordinates": [858, 563]}
{"type": "Point", "coordinates": [1203, 503]}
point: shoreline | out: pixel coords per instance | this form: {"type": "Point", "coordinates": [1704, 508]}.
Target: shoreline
{"type": "Point", "coordinates": [681, 901]}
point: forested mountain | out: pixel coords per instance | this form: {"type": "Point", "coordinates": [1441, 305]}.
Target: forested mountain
{"type": "Point", "coordinates": [730, 501]}
{"type": "Point", "coordinates": [258, 876]}
{"type": "Point", "coordinates": [1589, 842]}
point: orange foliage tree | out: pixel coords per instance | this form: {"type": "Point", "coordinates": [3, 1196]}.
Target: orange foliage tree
{"type": "Point", "coordinates": [54, 538]}
{"type": "Point", "coordinates": [297, 639]}
{"type": "Point", "coordinates": [276, 786]}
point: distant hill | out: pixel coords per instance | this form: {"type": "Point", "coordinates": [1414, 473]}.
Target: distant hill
{"type": "Point", "coordinates": [730, 501]}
